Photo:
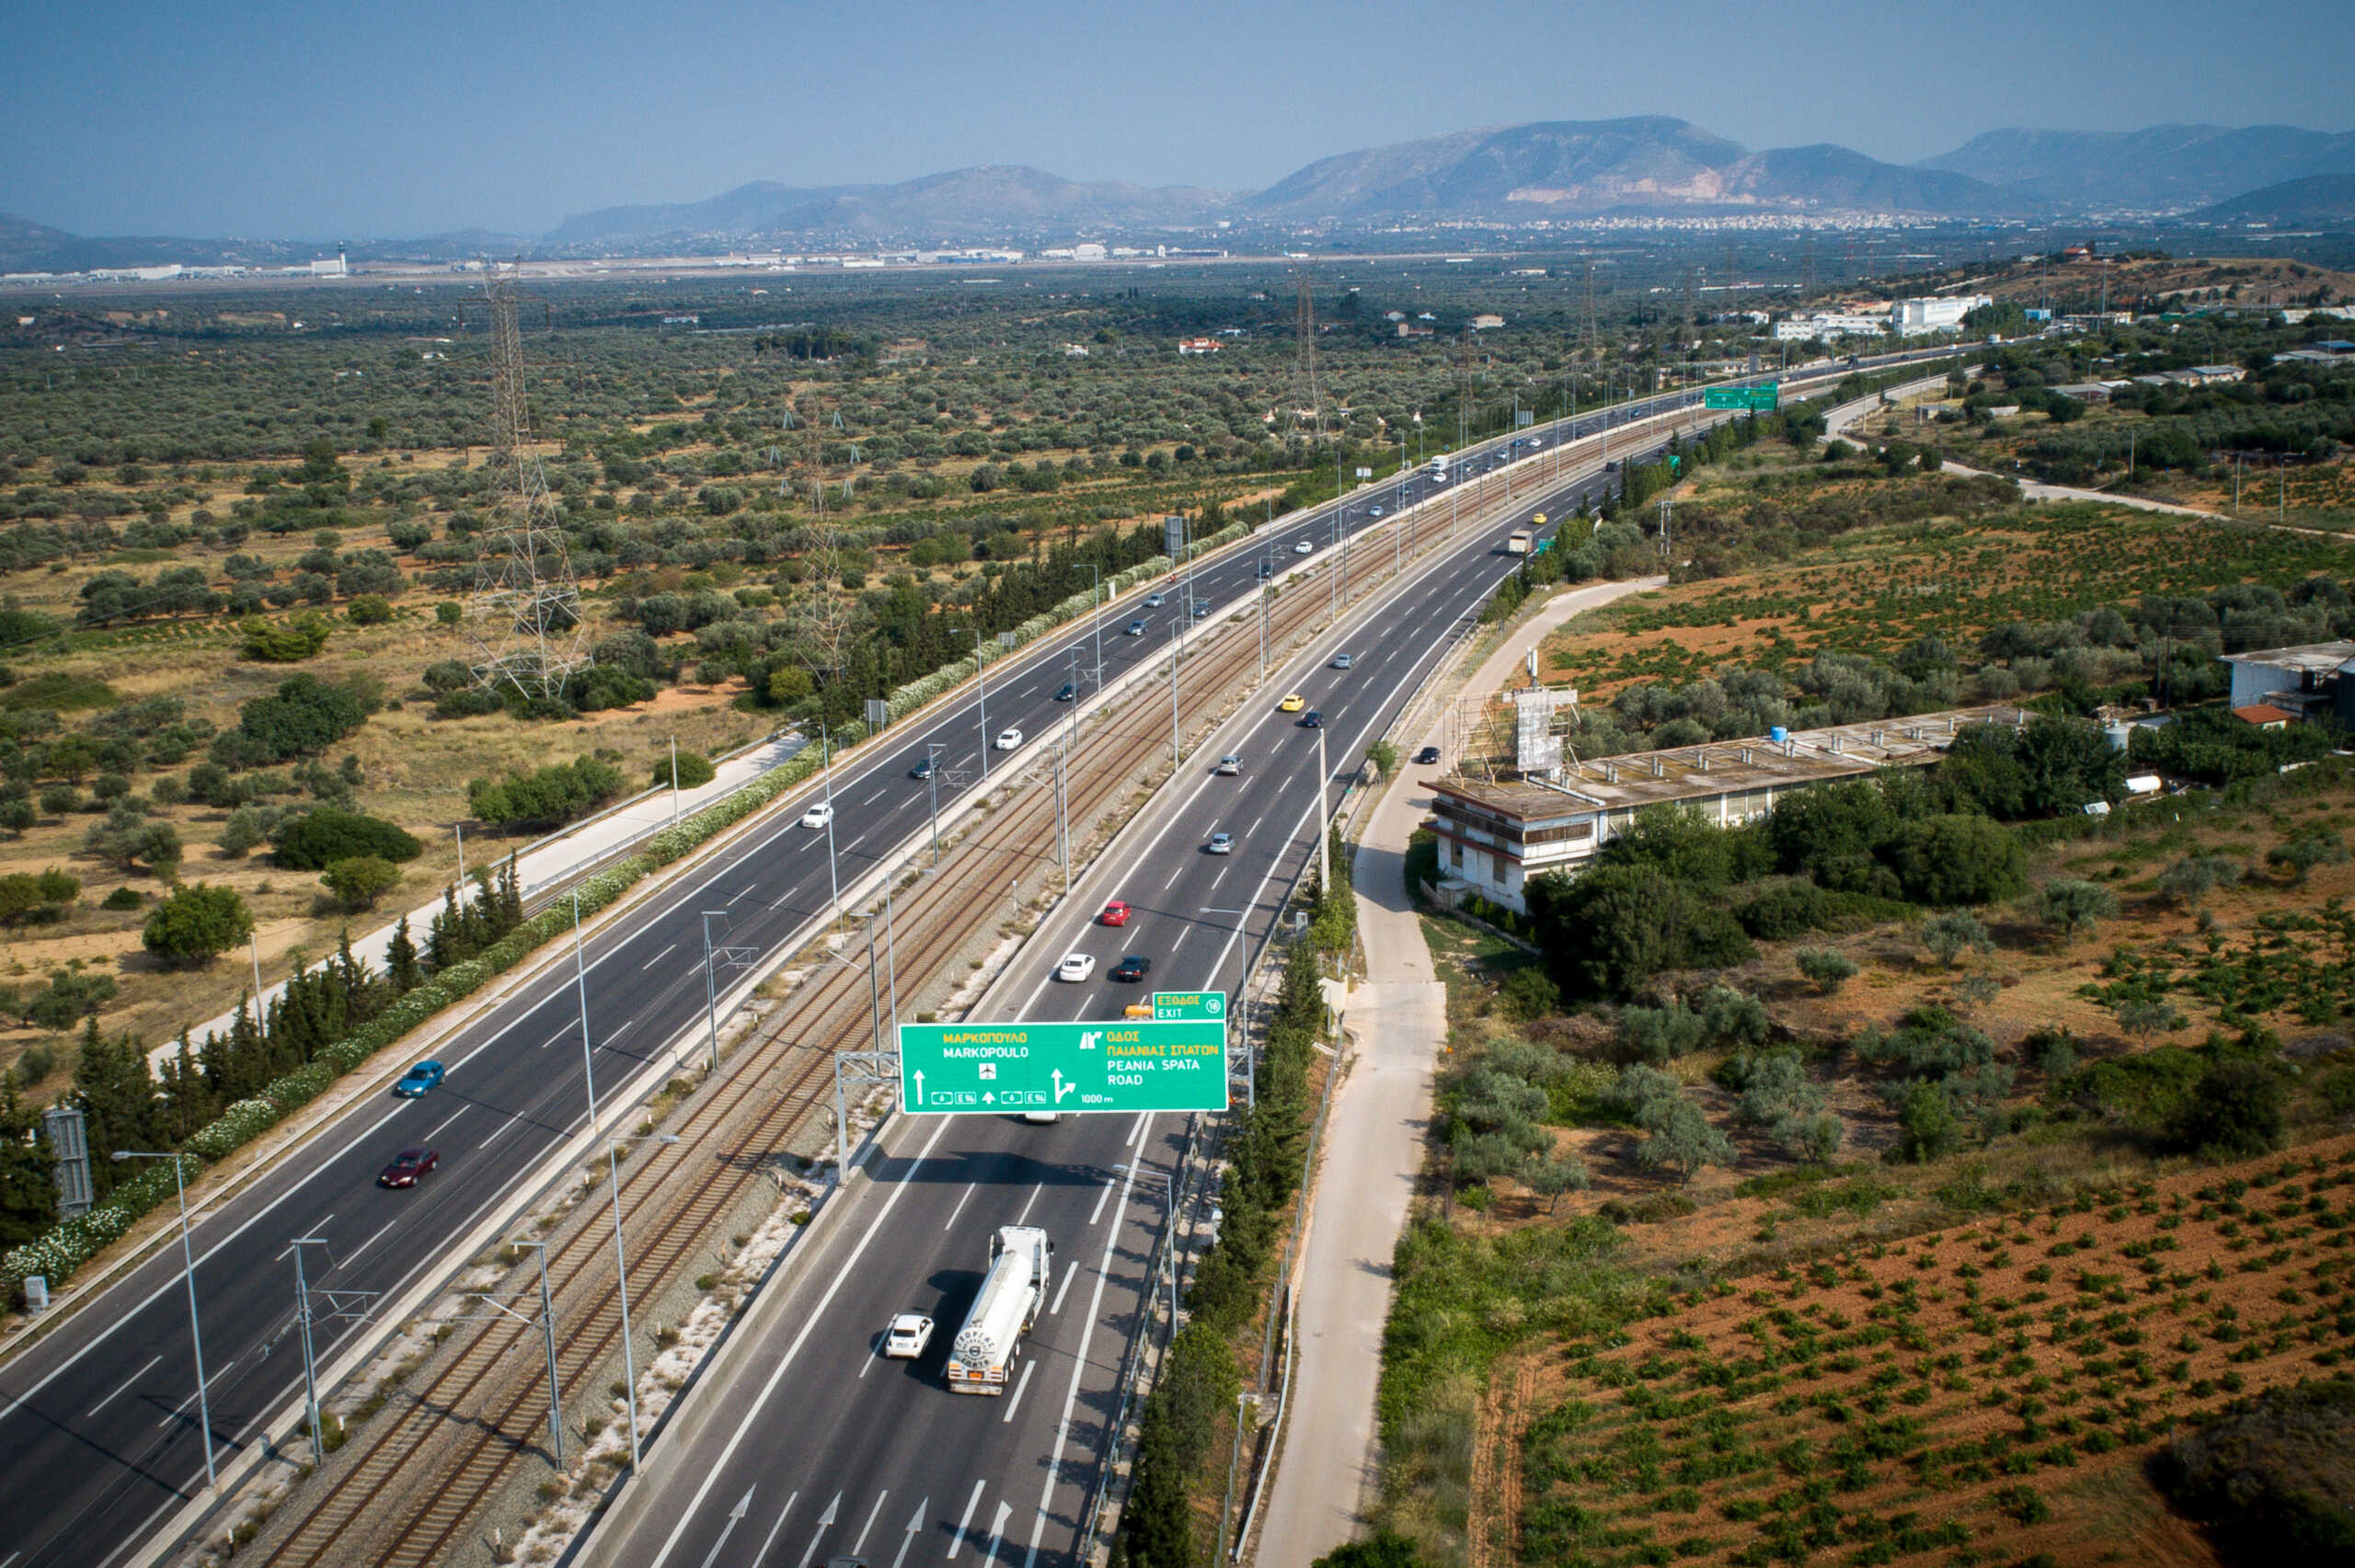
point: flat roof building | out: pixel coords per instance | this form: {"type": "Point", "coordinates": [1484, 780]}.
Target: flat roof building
{"type": "Point", "coordinates": [1494, 837]}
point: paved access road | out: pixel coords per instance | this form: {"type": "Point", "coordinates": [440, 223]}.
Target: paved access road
{"type": "Point", "coordinates": [104, 1409]}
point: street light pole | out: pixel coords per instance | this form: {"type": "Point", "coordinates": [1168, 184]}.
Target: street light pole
{"type": "Point", "coordinates": [195, 1330]}
{"type": "Point", "coordinates": [310, 1375]}
{"type": "Point", "coordinates": [674, 781]}
{"type": "Point", "coordinates": [580, 982]}
{"type": "Point", "coordinates": [621, 1276]}
{"type": "Point", "coordinates": [710, 987]}
{"type": "Point", "coordinates": [932, 750]}
{"type": "Point", "coordinates": [981, 689]}
{"type": "Point", "coordinates": [1175, 752]}
{"type": "Point", "coordinates": [547, 1342]}
{"type": "Point", "coordinates": [1096, 618]}
{"type": "Point", "coordinates": [834, 878]}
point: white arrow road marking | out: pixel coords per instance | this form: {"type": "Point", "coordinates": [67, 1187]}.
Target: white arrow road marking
{"type": "Point", "coordinates": [860, 1544]}
{"type": "Point", "coordinates": [770, 1539]}
{"type": "Point", "coordinates": [915, 1523]}
{"type": "Point", "coordinates": [970, 1504]}
{"type": "Point", "coordinates": [735, 1518]}
{"type": "Point", "coordinates": [825, 1523]}
{"type": "Point", "coordinates": [997, 1530]}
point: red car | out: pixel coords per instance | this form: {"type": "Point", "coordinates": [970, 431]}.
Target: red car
{"type": "Point", "coordinates": [407, 1166]}
{"type": "Point", "coordinates": [1115, 913]}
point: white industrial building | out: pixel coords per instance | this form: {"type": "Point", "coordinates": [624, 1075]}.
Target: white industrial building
{"type": "Point", "coordinates": [1941, 313]}
{"type": "Point", "coordinates": [1493, 837]}
{"type": "Point", "coordinates": [1828, 324]}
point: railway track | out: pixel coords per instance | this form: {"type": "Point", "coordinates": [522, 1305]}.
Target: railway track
{"type": "Point", "coordinates": [446, 1448]}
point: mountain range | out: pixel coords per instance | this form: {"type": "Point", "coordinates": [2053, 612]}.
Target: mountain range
{"type": "Point", "coordinates": [1642, 167]}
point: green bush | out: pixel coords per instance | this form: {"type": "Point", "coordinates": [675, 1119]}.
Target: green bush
{"type": "Point", "coordinates": [289, 641]}
{"type": "Point", "coordinates": [2274, 1476]}
{"type": "Point", "coordinates": [302, 718]}
{"type": "Point", "coordinates": [1958, 860]}
{"type": "Point", "coordinates": [2238, 1108]}
{"type": "Point", "coordinates": [547, 797]}
{"type": "Point", "coordinates": [318, 839]}
{"type": "Point", "coordinates": [1828, 970]}
{"type": "Point", "coordinates": [369, 610]}
{"type": "Point", "coordinates": [360, 881]}
{"type": "Point", "coordinates": [695, 771]}
{"type": "Point", "coordinates": [197, 924]}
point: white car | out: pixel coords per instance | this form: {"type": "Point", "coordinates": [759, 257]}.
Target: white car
{"type": "Point", "coordinates": [1009, 739]}
{"type": "Point", "coordinates": [1303, 547]}
{"type": "Point", "coordinates": [907, 1336]}
{"type": "Point", "coordinates": [818, 816]}
{"type": "Point", "coordinates": [1076, 966]}
{"type": "Point", "coordinates": [1042, 1118]}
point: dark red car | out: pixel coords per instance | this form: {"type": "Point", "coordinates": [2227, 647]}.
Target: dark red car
{"type": "Point", "coordinates": [407, 1166]}
{"type": "Point", "coordinates": [1115, 913]}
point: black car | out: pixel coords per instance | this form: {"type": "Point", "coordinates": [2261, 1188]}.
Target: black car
{"type": "Point", "coordinates": [1067, 692]}
{"type": "Point", "coordinates": [1427, 756]}
{"type": "Point", "coordinates": [922, 770]}
{"type": "Point", "coordinates": [1312, 719]}
{"type": "Point", "coordinates": [1133, 969]}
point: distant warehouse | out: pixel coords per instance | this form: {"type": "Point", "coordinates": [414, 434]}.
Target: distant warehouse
{"type": "Point", "coordinates": [1494, 837]}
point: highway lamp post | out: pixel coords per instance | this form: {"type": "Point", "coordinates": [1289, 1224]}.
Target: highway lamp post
{"type": "Point", "coordinates": [253, 945]}
{"type": "Point", "coordinates": [548, 1343]}
{"type": "Point", "coordinates": [1324, 835]}
{"type": "Point", "coordinates": [874, 975]}
{"type": "Point", "coordinates": [195, 1329]}
{"type": "Point", "coordinates": [834, 874]}
{"type": "Point", "coordinates": [891, 953]}
{"type": "Point", "coordinates": [581, 983]}
{"type": "Point", "coordinates": [1096, 616]}
{"type": "Point", "coordinates": [981, 690]}
{"type": "Point", "coordinates": [674, 781]}
{"type": "Point", "coordinates": [1062, 817]}
{"type": "Point", "coordinates": [460, 828]}
{"type": "Point", "coordinates": [932, 750]}
{"type": "Point", "coordinates": [310, 1357]}
{"type": "Point", "coordinates": [621, 1278]}
{"type": "Point", "coordinates": [711, 987]}
{"type": "Point", "coordinates": [1177, 751]}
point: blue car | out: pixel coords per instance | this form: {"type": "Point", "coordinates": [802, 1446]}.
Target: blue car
{"type": "Point", "coordinates": [422, 1078]}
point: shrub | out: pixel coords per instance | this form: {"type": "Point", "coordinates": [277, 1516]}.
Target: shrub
{"type": "Point", "coordinates": [2274, 1476]}
{"type": "Point", "coordinates": [318, 839]}
{"type": "Point", "coordinates": [302, 718]}
{"type": "Point", "coordinates": [1529, 993]}
{"type": "Point", "coordinates": [369, 610]}
{"type": "Point", "coordinates": [28, 896]}
{"type": "Point", "coordinates": [196, 925]}
{"type": "Point", "coordinates": [360, 880]}
{"type": "Point", "coordinates": [2071, 906]}
{"type": "Point", "coordinates": [1826, 970]}
{"type": "Point", "coordinates": [1616, 926]}
{"type": "Point", "coordinates": [695, 771]}
{"type": "Point", "coordinates": [1958, 860]}
{"type": "Point", "coordinates": [2237, 1109]}
{"type": "Point", "coordinates": [289, 641]}
{"type": "Point", "coordinates": [449, 612]}
{"type": "Point", "coordinates": [548, 797]}
{"type": "Point", "coordinates": [1950, 933]}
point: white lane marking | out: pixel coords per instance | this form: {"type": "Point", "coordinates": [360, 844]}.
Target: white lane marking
{"type": "Point", "coordinates": [970, 1504]}
{"type": "Point", "coordinates": [118, 1393]}
{"type": "Point", "coordinates": [746, 893]}
{"type": "Point", "coordinates": [875, 797]}
{"type": "Point", "coordinates": [1016, 1402]}
{"type": "Point", "coordinates": [959, 1209]}
{"type": "Point", "coordinates": [1255, 824]}
{"type": "Point", "coordinates": [666, 951]}
{"type": "Point", "coordinates": [560, 1034]}
{"type": "Point", "coordinates": [771, 1538]}
{"type": "Point", "coordinates": [854, 843]}
{"type": "Point", "coordinates": [1025, 1217]}
{"type": "Point", "coordinates": [316, 1226]}
{"type": "Point", "coordinates": [175, 1414]}
{"type": "Point", "coordinates": [781, 902]}
{"type": "Point", "coordinates": [1070, 1273]}
{"type": "Point", "coordinates": [1179, 942]}
{"type": "Point", "coordinates": [1079, 1369]}
{"type": "Point", "coordinates": [997, 1525]}
{"type": "Point", "coordinates": [1173, 878]}
{"type": "Point", "coordinates": [1098, 1212]}
{"type": "Point", "coordinates": [445, 1121]}
{"type": "Point", "coordinates": [1222, 875]}
{"type": "Point", "coordinates": [860, 1544]}
{"type": "Point", "coordinates": [353, 1256]}
{"type": "Point", "coordinates": [1136, 1134]}
{"type": "Point", "coordinates": [503, 1129]}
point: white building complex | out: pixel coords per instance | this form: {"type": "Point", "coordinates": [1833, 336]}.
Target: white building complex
{"type": "Point", "coordinates": [1941, 314]}
{"type": "Point", "coordinates": [1494, 837]}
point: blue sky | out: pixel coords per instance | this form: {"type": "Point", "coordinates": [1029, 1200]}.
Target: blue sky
{"type": "Point", "coordinates": [408, 117]}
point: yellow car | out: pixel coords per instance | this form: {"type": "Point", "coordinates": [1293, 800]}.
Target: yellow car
{"type": "Point", "coordinates": [1293, 703]}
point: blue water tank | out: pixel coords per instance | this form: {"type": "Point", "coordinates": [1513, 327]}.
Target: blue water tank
{"type": "Point", "coordinates": [1778, 735]}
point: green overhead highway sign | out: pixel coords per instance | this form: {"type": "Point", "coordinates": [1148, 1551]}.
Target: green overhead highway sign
{"type": "Point", "coordinates": [1190, 1004]}
{"type": "Point", "coordinates": [1757, 399]}
{"type": "Point", "coordinates": [1116, 1065]}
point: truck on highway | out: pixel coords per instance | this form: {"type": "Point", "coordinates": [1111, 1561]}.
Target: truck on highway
{"type": "Point", "coordinates": [980, 1358]}
{"type": "Point", "coordinates": [1521, 540]}
{"type": "Point", "coordinates": [1438, 468]}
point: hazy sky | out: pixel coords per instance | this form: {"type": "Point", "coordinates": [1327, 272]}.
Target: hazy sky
{"type": "Point", "coordinates": [334, 118]}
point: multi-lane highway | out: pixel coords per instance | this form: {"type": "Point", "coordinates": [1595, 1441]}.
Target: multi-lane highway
{"type": "Point", "coordinates": [817, 1447]}
{"type": "Point", "coordinates": [104, 1410]}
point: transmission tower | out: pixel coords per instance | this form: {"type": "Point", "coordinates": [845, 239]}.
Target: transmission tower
{"type": "Point", "coordinates": [524, 617]}
{"type": "Point", "coordinates": [1303, 393]}
{"type": "Point", "coordinates": [1806, 271]}
{"type": "Point", "coordinates": [1590, 338]}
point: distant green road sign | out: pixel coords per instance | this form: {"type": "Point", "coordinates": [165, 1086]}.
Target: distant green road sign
{"type": "Point", "coordinates": [1115, 1065]}
{"type": "Point", "coordinates": [1190, 1004]}
{"type": "Point", "coordinates": [1757, 399]}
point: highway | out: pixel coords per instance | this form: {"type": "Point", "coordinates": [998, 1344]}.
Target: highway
{"type": "Point", "coordinates": [825, 1449]}
{"type": "Point", "coordinates": [104, 1409]}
